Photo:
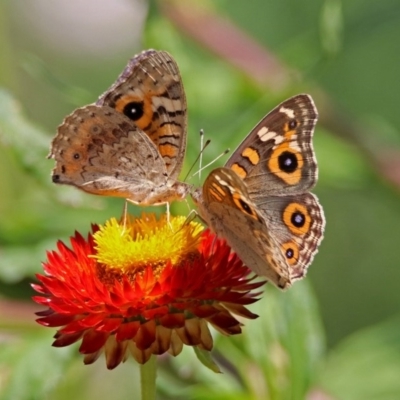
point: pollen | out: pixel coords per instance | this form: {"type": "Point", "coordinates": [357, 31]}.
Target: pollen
{"type": "Point", "coordinates": [130, 245]}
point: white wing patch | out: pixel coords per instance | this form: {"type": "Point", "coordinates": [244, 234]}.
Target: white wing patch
{"type": "Point", "coordinates": [289, 112]}
{"type": "Point", "coordinates": [264, 134]}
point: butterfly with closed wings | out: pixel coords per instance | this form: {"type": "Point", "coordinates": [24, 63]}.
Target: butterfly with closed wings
{"type": "Point", "coordinates": [260, 201]}
{"type": "Point", "coordinates": [132, 142]}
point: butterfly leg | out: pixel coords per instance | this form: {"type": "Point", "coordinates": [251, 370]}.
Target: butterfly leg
{"type": "Point", "coordinates": [168, 212]}
{"type": "Point", "coordinates": [124, 217]}
{"type": "Point", "coordinates": [193, 214]}
{"type": "Point", "coordinates": [190, 218]}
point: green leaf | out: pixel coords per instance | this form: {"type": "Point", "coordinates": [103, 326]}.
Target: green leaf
{"type": "Point", "coordinates": [205, 358]}
{"type": "Point", "coordinates": [29, 143]}
{"type": "Point", "coordinates": [365, 365]}
{"type": "Point", "coordinates": [31, 368]}
{"type": "Point", "coordinates": [277, 355]}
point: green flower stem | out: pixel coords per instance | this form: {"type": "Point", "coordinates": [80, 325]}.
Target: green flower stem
{"type": "Point", "coordinates": [148, 375]}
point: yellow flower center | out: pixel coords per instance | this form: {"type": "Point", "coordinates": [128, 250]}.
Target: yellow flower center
{"type": "Point", "coordinates": [130, 246]}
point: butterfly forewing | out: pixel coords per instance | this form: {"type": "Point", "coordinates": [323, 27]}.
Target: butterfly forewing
{"type": "Point", "coordinates": [278, 151]}
{"type": "Point", "coordinates": [150, 93]}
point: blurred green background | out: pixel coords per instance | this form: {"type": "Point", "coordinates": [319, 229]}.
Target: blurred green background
{"type": "Point", "coordinates": [340, 329]}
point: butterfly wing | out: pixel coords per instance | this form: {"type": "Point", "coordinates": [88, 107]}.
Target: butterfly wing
{"type": "Point", "coordinates": [100, 151]}
{"type": "Point", "coordinates": [277, 157]}
{"type": "Point", "coordinates": [150, 92]}
{"type": "Point", "coordinates": [277, 164]}
{"type": "Point", "coordinates": [226, 207]}
{"type": "Point", "coordinates": [297, 224]}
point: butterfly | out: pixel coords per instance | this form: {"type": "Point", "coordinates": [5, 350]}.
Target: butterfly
{"type": "Point", "coordinates": [131, 143]}
{"type": "Point", "coordinates": [260, 201]}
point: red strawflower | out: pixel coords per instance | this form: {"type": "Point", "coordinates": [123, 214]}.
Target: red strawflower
{"type": "Point", "coordinates": [141, 288]}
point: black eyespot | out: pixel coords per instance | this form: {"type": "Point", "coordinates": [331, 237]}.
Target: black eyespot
{"type": "Point", "coordinates": [292, 124]}
{"type": "Point", "coordinates": [289, 253]}
{"type": "Point", "coordinates": [246, 207]}
{"type": "Point", "coordinates": [288, 162]}
{"type": "Point", "coordinates": [63, 169]}
{"type": "Point", "coordinates": [76, 156]}
{"type": "Point", "coordinates": [55, 178]}
{"type": "Point", "coordinates": [134, 110]}
{"type": "Point", "coordinates": [298, 219]}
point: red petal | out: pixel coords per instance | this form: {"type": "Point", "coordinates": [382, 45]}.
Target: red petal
{"type": "Point", "coordinates": [176, 344]}
{"type": "Point", "coordinates": [110, 325]}
{"type": "Point", "coordinates": [93, 341]}
{"type": "Point", "coordinates": [155, 312]}
{"type": "Point", "coordinates": [39, 288]}
{"type": "Point", "coordinates": [190, 334]}
{"type": "Point", "coordinates": [146, 335]}
{"type": "Point", "coordinates": [172, 321]}
{"type": "Point", "coordinates": [91, 320]}
{"type": "Point", "coordinates": [74, 326]}
{"type": "Point", "coordinates": [163, 340]}
{"type": "Point", "coordinates": [63, 340]}
{"type": "Point", "coordinates": [115, 353]}
{"type": "Point", "coordinates": [225, 321]}
{"type": "Point", "coordinates": [127, 330]}
{"type": "Point", "coordinates": [203, 311]}
{"type": "Point", "coordinates": [249, 286]}
{"type": "Point", "coordinates": [240, 310]}
{"type": "Point", "coordinates": [91, 358]}
{"type": "Point", "coordinates": [141, 356]}
{"type": "Point", "coordinates": [44, 301]}
{"type": "Point", "coordinates": [206, 338]}
{"type": "Point", "coordinates": [56, 320]}
{"type": "Point", "coordinates": [45, 313]}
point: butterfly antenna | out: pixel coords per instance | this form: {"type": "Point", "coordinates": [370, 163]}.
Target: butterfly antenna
{"type": "Point", "coordinates": [201, 150]}
{"type": "Point", "coordinates": [210, 163]}
{"type": "Point", "coordinates": [198, 156]}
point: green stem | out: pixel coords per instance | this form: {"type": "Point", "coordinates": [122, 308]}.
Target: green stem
{"type": "Point", "coordinates": [148, 375]}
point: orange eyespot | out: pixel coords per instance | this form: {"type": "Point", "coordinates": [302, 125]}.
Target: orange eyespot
{"type": "Point", "coordinates": [287, 164]}
{"type": "Point", "coordinates": [291, 252]}
{"type": "Point", "coordinates": [297, 218]}
{"type": "Point", "coordinates": [137, 109]}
